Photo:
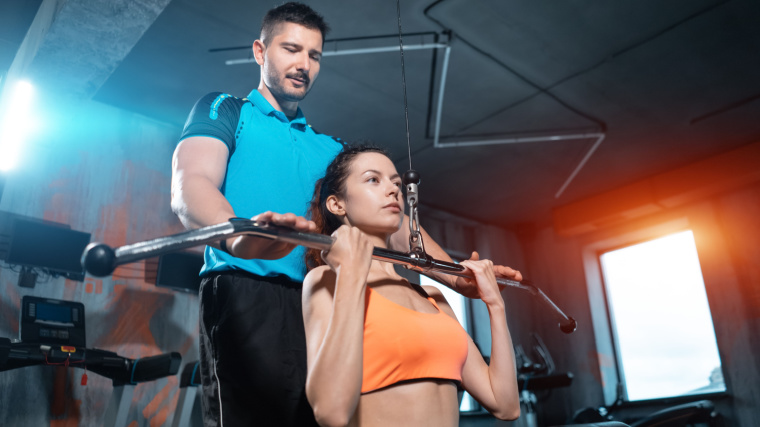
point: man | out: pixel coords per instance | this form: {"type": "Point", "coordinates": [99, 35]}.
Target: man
{"type": "Point", "coordinates": [238, 158]}
{"type": "Point", "coordinates": [241, 157]}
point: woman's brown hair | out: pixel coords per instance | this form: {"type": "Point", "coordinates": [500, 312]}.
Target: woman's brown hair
{"type": "Point", "coordinates": [333, 183]}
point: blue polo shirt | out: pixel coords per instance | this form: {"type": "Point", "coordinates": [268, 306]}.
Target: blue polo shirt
{"type": "Point", "coordinates": [273, 166]}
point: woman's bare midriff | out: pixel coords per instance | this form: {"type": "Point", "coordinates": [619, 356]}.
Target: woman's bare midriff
{"type": "Point", "coordinates": [427, 402]}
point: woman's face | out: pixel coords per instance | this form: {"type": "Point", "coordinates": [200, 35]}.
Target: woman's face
{"type": "Point", "coordinates": [373, 201]}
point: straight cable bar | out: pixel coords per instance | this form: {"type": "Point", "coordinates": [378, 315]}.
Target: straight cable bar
{"type": "Point", "coordinates": [101, 260]}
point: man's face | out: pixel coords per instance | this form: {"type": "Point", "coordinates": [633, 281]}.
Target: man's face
{"type": "Point", "coordinates": [291, 61]}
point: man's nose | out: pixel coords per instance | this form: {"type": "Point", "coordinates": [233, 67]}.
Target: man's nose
{"type": "Point", "coordinates": [304, 62]}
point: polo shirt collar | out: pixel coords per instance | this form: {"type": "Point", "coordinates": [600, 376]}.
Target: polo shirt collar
{"type": "Point", "coordinates": [266, 108]}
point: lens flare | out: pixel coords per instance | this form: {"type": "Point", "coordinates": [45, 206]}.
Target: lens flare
{"type": "Point", "coordinates": [15, 123]}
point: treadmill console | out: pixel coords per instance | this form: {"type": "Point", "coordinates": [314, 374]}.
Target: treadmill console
{"type": "Point", "coordinates": [51, 321]}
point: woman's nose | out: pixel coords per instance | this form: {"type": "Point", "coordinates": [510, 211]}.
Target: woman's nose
{"type": "Point", "coordinates": [394, 189]}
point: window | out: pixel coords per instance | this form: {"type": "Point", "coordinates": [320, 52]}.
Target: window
{"type": "Point", "coordinates": [660, 320]}
{"type": "Point", "coordinates": [458, 303]}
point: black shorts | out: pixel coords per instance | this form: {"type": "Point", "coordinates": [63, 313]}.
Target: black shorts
{"type": "Point", "coordinates": [253, 352]}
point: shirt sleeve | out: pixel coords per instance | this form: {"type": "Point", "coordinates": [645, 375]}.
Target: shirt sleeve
{"type": "Point", "coordinates": [215, 115]}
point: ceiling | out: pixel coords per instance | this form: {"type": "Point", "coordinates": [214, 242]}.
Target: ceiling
{"type": "Point", "coordinates": [666, 83]}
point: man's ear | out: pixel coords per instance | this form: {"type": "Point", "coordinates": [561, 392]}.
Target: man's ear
{"type": "Point", "coordinates": [335, 205]}
{"type": "Point", "coordinates": [258, 51]}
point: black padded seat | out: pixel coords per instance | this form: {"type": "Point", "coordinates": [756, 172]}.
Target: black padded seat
{"type": "Point", "coordinates": [599, 424]}
{"type": "Point", "coordinates": [680, 415]}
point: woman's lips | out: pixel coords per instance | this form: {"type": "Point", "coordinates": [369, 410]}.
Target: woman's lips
{"type": "Point", "coordinates": [393, 206]}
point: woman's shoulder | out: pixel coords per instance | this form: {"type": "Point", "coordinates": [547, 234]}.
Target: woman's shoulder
{"type": "Point", "coordinates": [319, 278]}
{"type": "Point", "coordinates": [433, 292]}
{"type": "Point", "coordinates": [439, 299]}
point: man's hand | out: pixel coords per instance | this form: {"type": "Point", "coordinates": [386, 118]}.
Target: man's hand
{"type": "Point", "coordinates": [469, 288]}
{"type": "Point", "coordinates": [252, 247]}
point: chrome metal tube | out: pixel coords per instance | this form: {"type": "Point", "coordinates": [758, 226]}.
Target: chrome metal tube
{"type": "Point", "coordinates": [100, 260]}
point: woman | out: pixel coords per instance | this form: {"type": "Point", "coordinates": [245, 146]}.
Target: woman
{"type": "Point", "coordinates": [380, 351]}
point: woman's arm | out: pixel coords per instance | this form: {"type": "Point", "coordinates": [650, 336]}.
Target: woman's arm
{"type": "Point", "coordinates": [400, 242]}
{"type": "Point", "coordinates": [494, 386]}
{"type": "Point", "coordinates": [333, 311]}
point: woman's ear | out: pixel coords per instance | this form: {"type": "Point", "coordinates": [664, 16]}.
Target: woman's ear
{"type": "Point", "coordinates": [335, 205]}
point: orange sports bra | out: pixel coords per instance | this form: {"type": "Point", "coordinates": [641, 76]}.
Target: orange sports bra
{"type": "Point", "coordinates": [403, 344]}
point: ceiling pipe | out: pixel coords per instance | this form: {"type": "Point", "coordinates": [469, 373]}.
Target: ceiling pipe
{"type": "Point", "coordinates": [437, 143]}
{"type": "Point", "coordinates": [518, 139]}
{"type": "Point", "coordinates": [356, 51]}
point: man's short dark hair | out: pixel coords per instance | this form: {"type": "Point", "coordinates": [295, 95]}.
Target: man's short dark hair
{"type": "Point", "coordinates": [297, 13]}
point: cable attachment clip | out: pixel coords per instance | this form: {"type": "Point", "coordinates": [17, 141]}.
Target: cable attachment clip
{"type": "Point", "coordinates": [411, 180]}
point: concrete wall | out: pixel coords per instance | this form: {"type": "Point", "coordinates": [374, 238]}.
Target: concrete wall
{"type": "Point", "coordinates": [459, 237]}
{"type": "Point", "coordinates": [107, 171]}
{"type": "Point", "coordinates": [104, 171]}
{"type": "Point", "coordinates": [726, 231]}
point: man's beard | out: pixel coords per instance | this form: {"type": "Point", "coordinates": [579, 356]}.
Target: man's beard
{"type": "Point", "coordinates": [277, 86]}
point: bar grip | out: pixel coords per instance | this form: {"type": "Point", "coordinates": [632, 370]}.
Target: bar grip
{"type": "Point", "coordinates": [154, 367]}
{"type": "Point", "coordinates": [5, 349]}
{"type": "Point", "coordinates": [100, 260]}
{"type": "Point", "coordinates": [191, 375]}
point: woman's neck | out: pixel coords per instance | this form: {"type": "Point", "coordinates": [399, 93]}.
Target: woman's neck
{"type": "Point", "coordinates": [379, 240]}
{"type": "Point", "coordinates": [379, 269]}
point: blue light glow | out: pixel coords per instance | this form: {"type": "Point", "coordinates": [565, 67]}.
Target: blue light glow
{"type": "Point", "coordinates": [15, 123]}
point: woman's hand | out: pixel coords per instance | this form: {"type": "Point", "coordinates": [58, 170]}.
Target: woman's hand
{"type": "Point", "coordinates": [469, 288]}
{"type": "Point", "coordinates": [485, 280]}
{"type": "Point", "coordinates": [351, 253]}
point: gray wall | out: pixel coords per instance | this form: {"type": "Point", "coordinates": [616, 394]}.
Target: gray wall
{"type": "Point", "coordinates": [104, 171]}
{"type": "Point", "coordinates": [726, 231]}
{"type": "Point", "coordinates": [107, 171]}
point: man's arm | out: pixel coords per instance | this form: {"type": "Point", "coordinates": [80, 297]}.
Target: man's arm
{"type": "Point", "coordinates": [400, 242]}
{"type": "Point", "coordinates": [198, 169]}
{"type": "Point", "coordinates": [199, 166]}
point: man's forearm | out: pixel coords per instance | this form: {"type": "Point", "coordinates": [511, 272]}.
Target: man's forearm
{"type": "Point", "coordinates": [198, 203]}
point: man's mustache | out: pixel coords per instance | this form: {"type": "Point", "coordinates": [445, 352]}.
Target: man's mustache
{"type": "Point", "coordinates": [300, 76]}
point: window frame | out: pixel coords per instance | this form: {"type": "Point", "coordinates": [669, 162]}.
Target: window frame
{"type": "Point", "coordinates": [605, 332]}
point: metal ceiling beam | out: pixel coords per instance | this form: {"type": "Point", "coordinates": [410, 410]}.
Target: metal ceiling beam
{"type": "Point", "coordinates": [597, 136]}
{"type": "Point", "coordinates": [515, 139]}
{"type": "Point", "coordinates": [84, 42]}
{"type": "Point", "coordinates": [29, 47]}
{"type": "Point", "coordinates": [360, 51]}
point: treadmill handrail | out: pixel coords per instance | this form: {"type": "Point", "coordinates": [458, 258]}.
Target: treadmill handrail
{"type": "Point", "coordinates": [121, 370]}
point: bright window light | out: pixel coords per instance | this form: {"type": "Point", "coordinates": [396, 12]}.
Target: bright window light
{"type": "Point", "coordinates": [457, 303]}
{"type": "Point", "coordinates": [661, 319]}
{"type": "Point", "coordinates": [15, 123]}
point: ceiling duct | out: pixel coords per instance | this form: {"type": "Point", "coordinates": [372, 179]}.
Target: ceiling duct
{"type": "Point", "coordinates": [597, 136]}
